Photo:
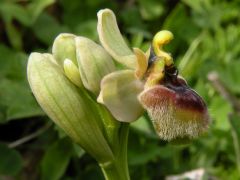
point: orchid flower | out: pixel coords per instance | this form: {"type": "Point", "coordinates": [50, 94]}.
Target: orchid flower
{"type": "Point", "coordinates": [82, 90]}
{"type": "Point", "coordinates": [149, 82]}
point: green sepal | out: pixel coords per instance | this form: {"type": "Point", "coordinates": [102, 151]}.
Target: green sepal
{"type": "Point", "coordinates": [112, 40]}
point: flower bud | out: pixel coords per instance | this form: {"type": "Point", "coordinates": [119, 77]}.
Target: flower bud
{"type": "Point", "coordinates": [72, 72]}
{"type": "Point", "coordinates": [175, 109]}
{"type": "Point", "coordinates": [67, 105]}
{"type": "Point", "coordinates": [64, 48]}
{"type": "Point", "coordinates": [94, 63]}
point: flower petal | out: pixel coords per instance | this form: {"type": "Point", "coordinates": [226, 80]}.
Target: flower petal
{"type": "Point", "coordinates": [142, 63]}
{"type": "Point", "coordinates": [119, 91]}
{"type": "Point", "coordinates": [112, 39]}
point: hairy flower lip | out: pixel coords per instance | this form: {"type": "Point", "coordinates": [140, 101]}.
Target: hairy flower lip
{"type": "Point", "coordinates": [175, 113]}
{"type": "Point", "coordinates": [175, 109]}
{"type": "Point", "coordinates": [181, 95]}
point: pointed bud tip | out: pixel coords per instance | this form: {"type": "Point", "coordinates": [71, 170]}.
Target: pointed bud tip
{"type": "Point", "coordinates": [64, 47]}
{"type": "Point", "coordinates": [64, 35]}
{"type": "Point", "coordinates": [102, 11]}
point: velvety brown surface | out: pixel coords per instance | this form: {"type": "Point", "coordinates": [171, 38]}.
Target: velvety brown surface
{"type": "Point", "coordinates": [181, 96]}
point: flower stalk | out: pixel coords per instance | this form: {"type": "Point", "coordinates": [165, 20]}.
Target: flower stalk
{"type": "Point", "coordinates": [118, 168]}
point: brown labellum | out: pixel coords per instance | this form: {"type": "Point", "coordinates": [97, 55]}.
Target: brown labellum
{"type": "Point", "coordinates": [176, 110]}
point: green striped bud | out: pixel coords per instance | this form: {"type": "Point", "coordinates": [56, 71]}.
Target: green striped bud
{"type": "Point", "coordinates": [68, 106]}
{"type": "Point", "coordinates": [93, 62]}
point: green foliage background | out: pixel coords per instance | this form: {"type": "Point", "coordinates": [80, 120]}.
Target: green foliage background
{"type": "Point", "coordinates": [206, 40]}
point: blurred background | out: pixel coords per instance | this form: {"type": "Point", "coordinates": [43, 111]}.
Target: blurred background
{"type": "Point", "coordinates": [206, 49]}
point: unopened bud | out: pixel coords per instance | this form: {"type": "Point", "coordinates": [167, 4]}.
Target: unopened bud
{"type": "Point", "coordinates": [68, 106]}
{"type": "Point", "coordinates": [94, 63]}
{"type": "Point", "coordinates": [72, 72]}
{"type": "Point", "coordinates": [64, 48]}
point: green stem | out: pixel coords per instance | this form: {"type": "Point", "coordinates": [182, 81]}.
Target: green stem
{"type": "Point", "coordinates": [113, 171]}
{"type": "Point", "coordinates": [118, 168]}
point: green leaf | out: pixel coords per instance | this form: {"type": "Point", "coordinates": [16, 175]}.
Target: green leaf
{"type": "Point", "coordinates": [235, 124]}
{"type": "Point", "coordinates": [12, 10]}
{"type": "Point", "coordinates": [47, 35]}
{"type": "Point", "coordinates": [144, 150]}
{"type": "Point", "coordinates": [36, 7]}
{"type": "Point", "coordinates": [14, 87]}
{"type": "Point", "coordinates": [56, 159]}
{"type": "Point", "coordinates": [230, 76]}
{"type": "Point", "coordinates": [78, 150]}
{"type": "Point", "coordinates": [14, 36]}
{"type": "Point", "coordinates": [13, 95]}
{"type": "Point", "coordinates": [10, 161]}
{"type": "Point", "coordinates": [219, 110]}
{"type": "Point", "coordinates": [24, 14]}
{"type": "Point", "coordinates": [144, 154]}
{"type": "Point", "coordinates": [151, 9]}
{"type": "Point", "coordinates": [196, 5]}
